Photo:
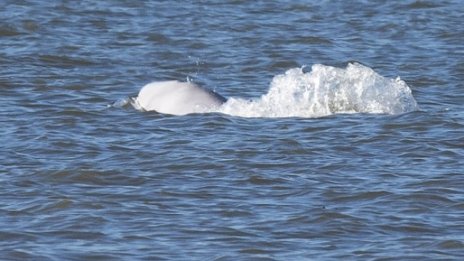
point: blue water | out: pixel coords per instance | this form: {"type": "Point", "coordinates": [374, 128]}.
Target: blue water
{"type": "Point", "coordinates": [86, 176]}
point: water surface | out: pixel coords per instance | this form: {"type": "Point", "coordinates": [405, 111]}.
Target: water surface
{"type": "Point", "coordinates": [84, 180]}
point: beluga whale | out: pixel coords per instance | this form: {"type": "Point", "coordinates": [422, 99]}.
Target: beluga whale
{"type": "Point", "coordinates": [177, 98]}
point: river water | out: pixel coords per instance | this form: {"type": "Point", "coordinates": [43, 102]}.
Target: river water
{"type": "Point", "coordinates": [342, 137]}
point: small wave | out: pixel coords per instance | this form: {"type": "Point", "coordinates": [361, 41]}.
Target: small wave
{"type": "Point", "coordinates": [7, 30]}
{"type": "Point", "coordinates": [326, 90]}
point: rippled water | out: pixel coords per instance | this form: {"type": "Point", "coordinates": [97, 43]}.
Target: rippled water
{"type": "Point", "coordinates": [83, 179]}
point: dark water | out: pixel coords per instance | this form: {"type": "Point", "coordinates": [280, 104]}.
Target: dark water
{"type": "Point", "coordinates": [81, 180]}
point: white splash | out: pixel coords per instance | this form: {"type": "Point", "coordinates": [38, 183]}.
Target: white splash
{"type": "Point", "coordinates": [324, 91]}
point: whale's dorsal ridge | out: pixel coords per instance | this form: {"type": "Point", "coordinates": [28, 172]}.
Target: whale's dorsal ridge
{"type": "Point", "coordinates": [178, 98]}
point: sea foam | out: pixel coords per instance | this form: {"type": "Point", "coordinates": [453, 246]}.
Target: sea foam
{"type": "Point", "coordinates": [326, 90]}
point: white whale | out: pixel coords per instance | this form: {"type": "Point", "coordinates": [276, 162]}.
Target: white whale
{"type": "Point", "coordinates": [177, 98]}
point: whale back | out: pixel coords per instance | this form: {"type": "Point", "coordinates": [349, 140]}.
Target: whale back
{"type": "Point", "coordinates": [178, 98]}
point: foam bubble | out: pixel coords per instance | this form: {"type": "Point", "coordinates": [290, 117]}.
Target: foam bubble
{"type": "Point", "coordinates": [326, 90]}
